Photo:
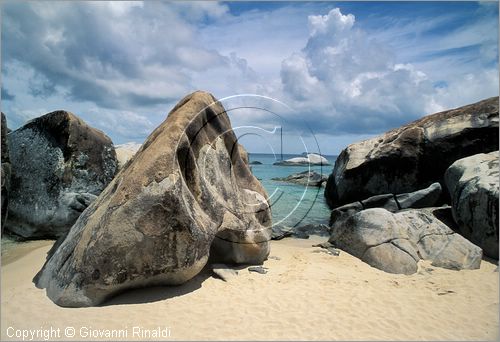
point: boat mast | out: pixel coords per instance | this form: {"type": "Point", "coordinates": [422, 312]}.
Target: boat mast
{"type": "Point", "coordinates": [281, 137]}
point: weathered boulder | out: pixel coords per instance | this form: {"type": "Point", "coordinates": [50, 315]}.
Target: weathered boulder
{"type": "Point", "coordinates": [427, 197]}
{"type": "Point", "coordinates": [309, 178]}
{"type": "Point", "coordinates": [59, 165]}
{"type": "Point", "coordinates": [307, 159]}
{"type": "Point", "coordinates": [473, 186]}
{"type": "Point", "coordinates": [395, 243]}
{"type": "Point", "coordinates": [187, 193]}
{"type": "Point", "coordinates": [125, 152]}
{"type": "Point", "coordinates": [413, 156]}
{"type": "Point", "coordinates": [6, 171]}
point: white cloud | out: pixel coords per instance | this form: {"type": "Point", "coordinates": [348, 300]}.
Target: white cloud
{"type": "Point", "coordinates": [349, 82]}
{"type": "Point", "coordinates": [262, 37]}
{"type": "Point", "coordinates": [332, 23]}
{"type": "Point", "coordinates": [297, 80]}
{"type": "Point", "coordinates": [121, 7]}
{"type": "Point", "coordinates": [104, 52]}
{"type": "Point", "coordinates": [132, 61]}
{"type": "Point", "coordinates": [351, 79]}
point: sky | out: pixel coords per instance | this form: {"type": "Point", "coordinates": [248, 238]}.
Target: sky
{"type": "Point", "coordinates": [328, 73]}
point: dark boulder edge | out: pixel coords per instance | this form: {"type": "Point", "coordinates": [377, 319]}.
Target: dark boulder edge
{"type": "Point", "coordinates": [59, 166]}
{"type": "Point", "coordinates": [415, 155]}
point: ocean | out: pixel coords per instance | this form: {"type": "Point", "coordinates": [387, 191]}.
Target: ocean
{"type": "Point", "coordinates": [291, 204]}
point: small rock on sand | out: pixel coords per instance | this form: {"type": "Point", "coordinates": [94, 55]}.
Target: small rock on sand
{"type": "Point", "coordinates": [224, 272]}
{"type": "Point", "coordinates": [258, 269]}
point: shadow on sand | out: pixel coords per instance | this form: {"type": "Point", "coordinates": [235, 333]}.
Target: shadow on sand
{"type": "Point", "coordinates": [158, 293]}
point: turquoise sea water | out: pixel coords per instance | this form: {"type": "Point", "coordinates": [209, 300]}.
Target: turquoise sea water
{"type": "Point", "coordinates": [292, 205]}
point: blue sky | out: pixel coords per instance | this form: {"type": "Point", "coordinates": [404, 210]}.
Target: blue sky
{"type": "Point", "coordinates": [345, 71]}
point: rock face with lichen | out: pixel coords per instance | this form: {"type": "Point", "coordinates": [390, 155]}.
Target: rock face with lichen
{"type": "Point", "coordinates": [413, 156]}
{"type": "Point", "coordinates": [59, 166]}
{"type": "Point", "coordinates": [187, 193]}
{"type": "Point", "coordinates": [473, 185]}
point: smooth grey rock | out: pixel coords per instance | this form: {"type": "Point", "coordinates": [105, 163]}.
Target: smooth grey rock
{"type": "Point", "coordinates": [437, 242]}
{"type": "Point", "coordinates": [395, 242]}
{"type": "Point", "coordinates": [413, 156]}
{"type": "Point", "coordinates": [280, 232]}
{"type": "Point", "coordinates": [340, 214]}
{"type": "Point", "coordinates": [188, 193]}
{"type": "Point", "coordinates": [309, 178]}
{"type": "Point", "coordinates": [473, 184]}
{"type": "Point", "coordinates": [59, 164]}
{"type": "Point", "coordinates": [423, 198]}
{"type": "Point", "coordinates": [300, 234]}
{"type": "Point", "coordinates": [224, 272]}
{"type": "Point", "coordinates": [258, 269]}
{"type": "Point", "coordinates": [385, 201]}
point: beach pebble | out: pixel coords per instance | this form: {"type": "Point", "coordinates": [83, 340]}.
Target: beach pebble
{"type": "Point", "coordinates": [224, 272]}
{"type": "Point", "coordinates": [258, 269]}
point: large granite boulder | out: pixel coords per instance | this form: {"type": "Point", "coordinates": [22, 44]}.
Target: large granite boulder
{"type": "Point", "coordinates": [473, 186]}
{"type": "Point", "coordinates": [395, 243]}
{"type": "Point", "coordinates": [413, 156]}
{"type": "Point", "coordinates": [5, 169]}
{"type": "Point", "coordinates": [422, 198]}
{"type": "Point", "coordinates": [187, 193]}
{"type": "Point", "coordinates": [59, 165]}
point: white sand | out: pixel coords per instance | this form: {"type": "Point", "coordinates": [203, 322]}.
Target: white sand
{"type": "Point", "coordinates": [307, 295]}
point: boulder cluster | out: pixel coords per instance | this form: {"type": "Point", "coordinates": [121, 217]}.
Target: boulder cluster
{"type": "Point", "coordinates": [153, 214]}
{"type": "Point", "coordinates": [427, 190]}
{"type": "Point", "coordinates": [186, 194]}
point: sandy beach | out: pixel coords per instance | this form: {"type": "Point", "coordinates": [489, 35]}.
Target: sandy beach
{"type": "Point", "coordinates": [306, 295]}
